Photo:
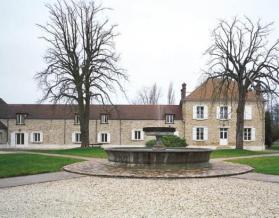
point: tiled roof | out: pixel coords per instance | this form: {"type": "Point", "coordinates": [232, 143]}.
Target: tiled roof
{"type": "Point", "coordinates": [124, 112]}
{"type": "Point", "coordinates": [211, 89]}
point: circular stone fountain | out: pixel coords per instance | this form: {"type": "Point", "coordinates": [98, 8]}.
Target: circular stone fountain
{"type": "Point", "coordinates": [159, 154]}
{"type": "Point", "coordinates": [157, 162]}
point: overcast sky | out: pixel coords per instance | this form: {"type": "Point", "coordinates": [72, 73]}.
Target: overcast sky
{"type": "Point", "coordinates": [160, 41]}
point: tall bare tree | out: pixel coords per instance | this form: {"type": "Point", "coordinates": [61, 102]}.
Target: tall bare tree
{"type": "Point", "coordinates": [82, 64]}
{"type": "Point", "coordinates": [241, 54]}
{"type": "Point", "coordinates": [171, 95]}
{"type": "Point", "coordinates": [149, 95]}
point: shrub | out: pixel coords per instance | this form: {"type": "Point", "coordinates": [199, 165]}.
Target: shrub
{"type": "Point", "coordinates": [168, 141]}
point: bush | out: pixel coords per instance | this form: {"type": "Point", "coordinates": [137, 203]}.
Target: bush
{"type": "Point", "coordinates": [168, 141]}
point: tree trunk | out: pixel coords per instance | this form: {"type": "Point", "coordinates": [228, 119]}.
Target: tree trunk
{"type": "Point", "coordinates": [240, 119]}
{"type": "Point", "coordinates": [84, 120]}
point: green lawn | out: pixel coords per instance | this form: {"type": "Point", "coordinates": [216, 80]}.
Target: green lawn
{"type": "Point", "coordinates": [27, 164]}
{"type": "Point", "coordinates": [84, 152]}
{"type": "Point", "coordinates": [223, 153]}
{"type": "Point", "coordinates": [266, 165]}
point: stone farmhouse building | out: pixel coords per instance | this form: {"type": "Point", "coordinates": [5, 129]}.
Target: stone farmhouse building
{"type": "Point", "coordinates": [198, 119]}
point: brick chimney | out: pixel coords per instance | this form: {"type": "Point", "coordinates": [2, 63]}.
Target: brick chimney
{"type": "Point", "coordinates": [183, 91]}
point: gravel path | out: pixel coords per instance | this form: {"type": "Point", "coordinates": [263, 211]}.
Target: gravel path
{"type": "Point", "coordinates": [112, 197]}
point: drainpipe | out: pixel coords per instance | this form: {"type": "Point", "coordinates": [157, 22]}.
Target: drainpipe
{"type": "Point", "coordinates": [96, 133]}
{"type": "Point", "coordinates": [7, 139]}
{"type": "Point", "coordinates": [120, 132]}
{"type": "Point", "coordinates": [64, 131]}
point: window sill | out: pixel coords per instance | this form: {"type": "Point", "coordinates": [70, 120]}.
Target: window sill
{"type": "Point", "coordinates": [200, 140]}
{"type": "Point", "coordinates": [137, 139]}
{"type": "Point", "coordinates": [200, 119]}
{"type": "Point", "coordinates": [104, 123]}
{"type": "Point", "coordinates": [37, 142]}
{"type": "Point", "coordinates": [20, 124]}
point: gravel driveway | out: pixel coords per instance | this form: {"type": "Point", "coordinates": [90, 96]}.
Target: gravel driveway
{"type": "Point", "coordinates": [112, 197]}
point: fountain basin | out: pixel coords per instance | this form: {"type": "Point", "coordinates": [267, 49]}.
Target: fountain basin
{"type": "Point", "coordinates": [165, 156]}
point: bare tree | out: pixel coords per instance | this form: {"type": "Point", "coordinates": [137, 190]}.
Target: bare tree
{"type": "Point", "coordinates": [242, 58]}
{"type": "Point", "coordinates": [149, 95]}
{"type": "Point", "coordinates": [171, 96]}
{"type": "Point", "coordinates": [81, 58]}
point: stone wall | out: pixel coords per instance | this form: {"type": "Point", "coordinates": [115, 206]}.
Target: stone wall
{"type": "Point", "coordinates": [213, 124]}
{"type": "Point", "coordinates": [60, 131]}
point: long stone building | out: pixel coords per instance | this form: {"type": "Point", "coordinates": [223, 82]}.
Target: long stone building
{"type": "Point", "coordinates": [198, 119]}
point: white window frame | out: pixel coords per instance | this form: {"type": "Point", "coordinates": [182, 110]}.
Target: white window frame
{"type": "Point", "coordinates": [100, 137]}
{"type": "Point", "coordinates": [20, 119]}
{"type": "Point", "coordinates": [104, 119]}
{"type": "Point", "coordinates": [248, 112]}
{"type": "Point", "coordinates": [77, 119]}
{"type": "Point", "coordinates": [134, 135]}
{"type": "Point", "coordinates": [74, 137]}
{"type": "Point", "coordinates": [196, 115]}
{"type": "Point", "coordinates": [33, 137]}
{"type": "Point", "coordinates": [169, 119]}
{"type": "Point", "coordinates": [223, 115]}
{"type": "Point", "coordinates": [197, 136]}
{"type": "Point", "coordinates": [252, 134]}
{"type": "Point", "coordinates": [201, 113]}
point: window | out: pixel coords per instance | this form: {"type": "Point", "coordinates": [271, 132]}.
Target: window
{"type": "Point", "coordinates": [78, 137]}
{"type": "Point", "coordinates": [19, 137]}
{"type": "Point", "coordinates": [200, 134]}
{"type": "Point", "coordinates": [169, 118]}
{"type": "Point", "coordinates": [37, 137]}
{"type": "Point", "coordinates": [20, 119]}
{"type": "Point", "coordinates": [77, 119]}
{"type": "Point", "coordinates": [200, 112]}
{"type": "Point", "coordinates": [104, 137]}
{"type": "Point", "coordinates": [249, 134]}
{"type": "Point", "coordinates": [223, 133]}
{"type": "Point", "coordinates": [104, 118]}
{"type": "Point", "coordinates": [224, 112]}
{"type": "Point", "coordinates": [248, 112]}
{"type": "Point", "coordinates": [137, 134]}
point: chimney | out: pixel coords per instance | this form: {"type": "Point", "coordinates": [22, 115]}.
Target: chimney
{"type": "Point", "coordinates": [183, 91]}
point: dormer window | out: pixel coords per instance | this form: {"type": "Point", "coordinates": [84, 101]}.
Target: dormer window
{"type": "Point", "coordinates": [104, 118]}
{"type": "Point", "coordinates": [169, 118]}
{"type": "Point", "coordinates": [77, 119]}
{"type": "Point", "coordinates": [20, 119]}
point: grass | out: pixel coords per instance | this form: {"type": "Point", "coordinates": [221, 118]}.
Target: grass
{"type": "Point", "coordinates": [223, 153]}
{"type": "Point", "coordinates": [266, 165]}
{"type": "Point", "coordinates": [28, 164]}
{"type": "Point", "coordinates": [84, 152]}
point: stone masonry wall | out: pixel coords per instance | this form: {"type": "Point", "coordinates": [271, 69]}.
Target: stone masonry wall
{"type": "Point", "coordinates": [213, 124]}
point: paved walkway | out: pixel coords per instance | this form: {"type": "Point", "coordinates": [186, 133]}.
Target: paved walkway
{"type": "Point", "coordinates": [38, 178]}
{"type": "Point", "coordinates": [249, 156]}
{"type": "Point", "coordinates": [258, 177]}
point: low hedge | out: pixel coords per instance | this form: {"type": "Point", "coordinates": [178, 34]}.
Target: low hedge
{"type": "Point", "coordinates": [169, 141]}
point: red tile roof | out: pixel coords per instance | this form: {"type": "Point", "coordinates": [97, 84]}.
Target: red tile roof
{"type": "Point", "coordinates": [211, 88]}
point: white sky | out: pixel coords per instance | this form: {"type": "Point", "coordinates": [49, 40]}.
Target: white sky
{"type": "Point", "coordinates": [160, 41]}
